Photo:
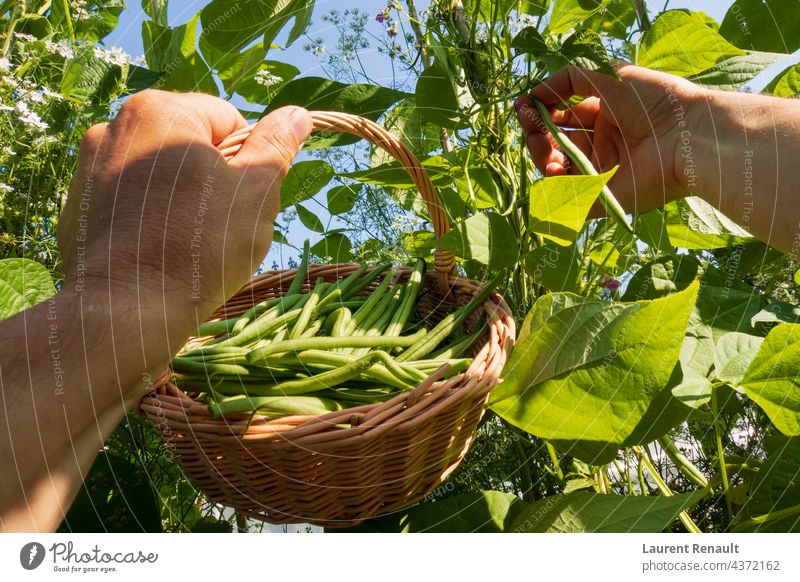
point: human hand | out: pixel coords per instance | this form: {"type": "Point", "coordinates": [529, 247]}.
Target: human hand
{"type": "Point", "coordinates": [637, 123]}
{"type": "Point", "coordinates": [158, 221]}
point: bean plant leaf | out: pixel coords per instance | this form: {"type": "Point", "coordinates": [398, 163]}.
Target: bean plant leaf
{"type": "Point", "coordinates": [733, 73]}
{"type": "Point", "coordinates": [733, 354]}
{"type": "Point", "coordinates": [87, 78]}
{"type": "Point", "coordinates": [692, 223]}
{"type": "Point", "coordinates": [436, 97]}
{"type": "Point", "coordinates": [560, 204]}
{"type": "Point", "coordinates": [310, 220]}
{"type": "Point", "coordinates": [304, 180]}
{"type": "Point", "coordinates": [23, 284]}
{"type": "Point", "coordinates": [530, 41]}
{"type": "Point", "coordinates": [554, 267]}
{"type": "Point", "coordinates": [584, 49]}
{"type": "Point", "coordinates": [763, 25]}
{"type": "Point", "coordinates": [335, 247]}
{"type": "Point", "coordinates": [585, 512]}
{"type": "Point", "coordinates": [231, 25]}
{"type": "Point", "coordinates": [320, 94]}
{"type": "Point", "coordinates": [173, 52]}
{"type": "Point", "coordinates": [787, 83]}
{"type": "Point", "coordinates": [683, 45]}
{"type": "Point", "coordinates": [651, 227]}
{"type": "Point", "coordinates": [480, 512]}
{"type": "Point", "coordinates": [775, 487]}
{"type": "Point", "coordinates": [773, 379]}
{"type": "Point", "coordinates": [485, 237]}
{"type": "Point", "coordinates": [613, 19]}
{"type": "Point", "coordinates": [568, 13]}
{"type": "Point", "coordinates": [341, 199]}
{"type": "Point", "coordinates": [589, 370]}
{"type": "Point", "coordinates": [535, 7]}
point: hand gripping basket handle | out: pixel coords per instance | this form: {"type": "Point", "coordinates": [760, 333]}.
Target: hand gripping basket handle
{"type": "Point", "coordinates": [444, 261]}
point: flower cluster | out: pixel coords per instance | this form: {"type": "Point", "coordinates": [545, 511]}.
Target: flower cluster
{"type": "Point", "coordinates": [384, 16]}
{"type": "Point", "coordinates": [267, 79]}
{"type": "Point", "coordinates": [115, 56]}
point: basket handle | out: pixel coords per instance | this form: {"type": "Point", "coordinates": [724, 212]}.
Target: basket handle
{"type": "Point", "coordinates": [444, 260]}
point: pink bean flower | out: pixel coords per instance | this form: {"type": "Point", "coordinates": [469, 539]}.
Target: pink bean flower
{"type": "Point", "coordinates": [382, 15]}
{"type": "Point", "coordinates": [610, 284]}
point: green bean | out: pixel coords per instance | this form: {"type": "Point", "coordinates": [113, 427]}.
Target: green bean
{"type": "Point", "coordinates": [301, 273]}
{"type": "Point", "coordinates": [374, 298]}
{"type": "Point", "coordinates": [308, 309]}
{"type": "Point", "coordinates": [268, 308]}
{"type": "Point", "coordinates": [264, 325]}
{"type": "Point", "coordinates": [327, 343]}
{"type": "Point", "coordinates": [328, 360]}
{"type": "Point", "coordinates": [446, 327]}
{"type": "Point", "coordinates": [365, 282]}
{"type": "Point", "coordinates": [274, 406]}
{"type": "Point", "coordinates": [351, 280]}
{"type": "Point", "coordinates": [460, 346]}
{"type": "Point", "coordinates": [319, 381]}
{"type": "Point", "coordinates": [583, 163]}
{"type": "Point", "coordinates": [215, 327]}
{"type": "Point", "coordinates": [409, 301]}
{"type": "Point", "coordinates": [212, 369]}
{"type": "Point", "coordinates": [311, 330]}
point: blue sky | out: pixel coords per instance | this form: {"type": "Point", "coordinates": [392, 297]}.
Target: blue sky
{"type": "Point", "coordinates": [128, 36]}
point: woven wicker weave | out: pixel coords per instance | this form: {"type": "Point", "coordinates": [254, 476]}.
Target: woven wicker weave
{"type": "Point", "coordinates": [343, 467]}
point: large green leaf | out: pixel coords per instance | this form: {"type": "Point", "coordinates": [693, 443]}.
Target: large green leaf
{"type": "Point", "coordinates": [776, 486]}
{"type": "Point", "coordinates": [255, 79]}
{"type": "Point", "coordinates": [692, 223]}
{"type": "Point", "coordinates": [90, 79]}
{"type": "Point", "coordinates": [651, 227]}
{"type": "Point", "coordinates": [559, 205]}
{"type": "Point", "coordinates": [554, 267]}
{"type": "Point", "coordinates": [763, 25]}
{"type": "Point", "coordinates": [393, 174]}
{"type": "Point", "coordinates": [589, 370]}
{"type": "Point", "coordinates": [733, 354]}
{"type": "Point", "coordinates": [341, 199]}
{"type": "Point", "coordinates": [335, 247]}
{"type": "Point", "coordinates": [304, 180]}
{"type": "Point", "coordinates": [481, 512]}
{"type": "Point", "coordinates": [320, 94]}
{"type": "Point", "coordinates": [583, 48]}
{"type": "Point", "coordinates": [535, 7]}
{"type": "Point", "coordinates": [310, 220]}
{"type": "Point", "coordinates": [23, 284]}
{"type": "Point", "coordinates": [613, 19]}
{"type": "Point", "coordinates": [731, 74]}
{"type": "Point", "coordinates": [568, 13]}
{"type": "Point", "coordinates": [773, 378]}
{"type": "Point", "coordinates": [436, 97]}
{"type": "Point", "coordinates": [231, 25]}
{"type": "Point", "coordinates": [787, 83]}
{"type": "Point", "coordinates": [683, 45]}
{"type": "Point", "coordinates": [485, 237]}
{"type": "Point", "coordinates": [584, 512]}
{"type": "Point", "coordinates": [173, 52]}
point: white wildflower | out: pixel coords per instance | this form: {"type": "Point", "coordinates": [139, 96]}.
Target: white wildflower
{"type": "Point", "coordinates": [25, 37]}
{"type": "Point", "coordinates": [59, 49]}
{"type": "Point", "coordinates": [35, 97]}
{"type": "Point", "coordinates": [28, 117]}
{"type": "Point", "coordinates": [266, 78]}
{"type": "Point", "coordinates": [55, 96]}
{"type": "Point", "coordinates": [139, 61]}
{"type": "Point", "coordinates": [5, 64]}
{"type": "Point", "coordinates": [5, 187]}
{"type": "Point", "coordinates": [7, 151]}
{"type": "Point", "coordinates": [115, 56]}
{"type": "Point", "coordinates": [44, 140]}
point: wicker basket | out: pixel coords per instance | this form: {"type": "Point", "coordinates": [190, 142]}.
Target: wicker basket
{"type": "Point", "coordinates": [343, 467]}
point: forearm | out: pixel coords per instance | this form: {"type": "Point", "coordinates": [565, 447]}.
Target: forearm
{"type": "Point", "coordinates": [748, 151]}
{"type": "Point", "coordinates": [70, 368]}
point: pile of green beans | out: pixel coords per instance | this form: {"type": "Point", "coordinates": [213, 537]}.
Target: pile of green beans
{"type": "Point", "coordinates": [327, 349]}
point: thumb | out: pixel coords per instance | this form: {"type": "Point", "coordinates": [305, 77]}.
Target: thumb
{"type": "Point", "coordinates": [274, 141]}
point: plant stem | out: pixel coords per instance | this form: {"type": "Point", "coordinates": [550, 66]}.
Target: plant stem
{"type": "Point", "coordinates": [684, 465]}
{"type": "Point", "coordinates": [687, 521]}
{"type": "Point", "coordinates": [554, 459]}
{"type": "Point", "coordinates": [723, 471]}
{"type": "Point", "coordinates": [768, 518]}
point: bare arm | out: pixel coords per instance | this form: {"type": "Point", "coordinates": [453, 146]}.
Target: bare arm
{"type": "Point", "coordinates": [672, 138]}
{"type": "Point", "coordinates": [158, 230]}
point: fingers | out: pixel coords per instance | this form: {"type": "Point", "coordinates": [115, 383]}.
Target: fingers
{"type": "Point", "coordinates": [178, 117]}
{"type": "Point", "coordinates": [275, 140]}
{"type": "Point", "coordinates": [570, 81]}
